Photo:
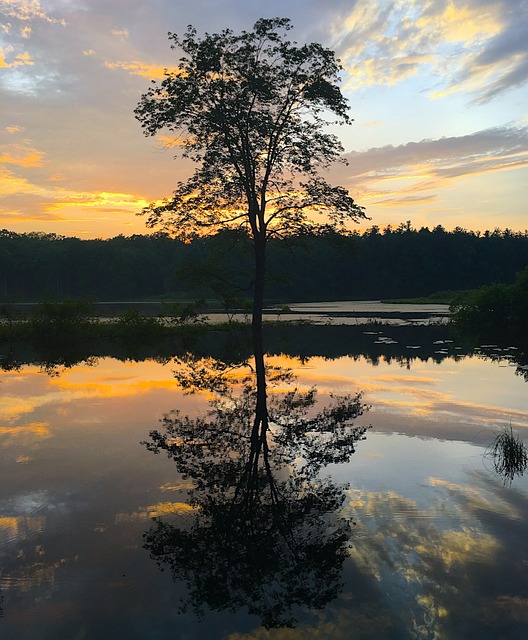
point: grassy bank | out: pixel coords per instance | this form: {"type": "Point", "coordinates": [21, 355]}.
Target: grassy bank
{"type": "Point", "coordinates": [440, 297]}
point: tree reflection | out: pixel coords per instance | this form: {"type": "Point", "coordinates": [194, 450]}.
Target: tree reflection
{"type": "Point", "coordinates": [264, 531]}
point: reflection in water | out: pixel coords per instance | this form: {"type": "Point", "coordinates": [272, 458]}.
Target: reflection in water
{"type": "Point", "coordinates": [265, 532]}
{"type": "Point", "coordinates": [405, 345]}
{"type": "Point", "coordinates": [464, 578]}
{"type": "Point", "coordinates": [439, 549]}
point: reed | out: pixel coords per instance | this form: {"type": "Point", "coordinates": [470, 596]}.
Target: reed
{"type": "Point", "coordinates": [508, 454]}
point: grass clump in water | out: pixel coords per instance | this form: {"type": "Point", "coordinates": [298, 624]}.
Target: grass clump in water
{"type": "Point", "coordinates": [509, 455]}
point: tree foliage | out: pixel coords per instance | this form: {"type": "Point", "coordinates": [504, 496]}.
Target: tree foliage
{"type": "Point", "coordinates": [250, 109]}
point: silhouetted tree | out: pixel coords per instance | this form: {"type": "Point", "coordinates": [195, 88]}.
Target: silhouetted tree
{"type": "Point", "coordinates": [249, 109]}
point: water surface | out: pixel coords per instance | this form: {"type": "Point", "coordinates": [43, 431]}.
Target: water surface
{"type": "Point", "coordinates": [437, 548]}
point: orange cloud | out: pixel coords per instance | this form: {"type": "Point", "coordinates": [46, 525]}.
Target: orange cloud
{"type": "Point", "coordinates": [50, 201]}
{"type": "Point", "coordinates": [12, 408]}
{"type": "Point", "coordinates": [10, 184]}
{"type": "Point", "coordinates": [96, 200]}
{"type": "Point", "coordinates": [12, 129]}
{"type": "Point", "coordinates": [169, 141]}
{"type": "Point", "coordinates": [25, 433]}
{"type": "Point", "coordinates": [405, 201]}
{"type": "Point", "coordinates": [20, 60]}
{"type": "Point", "coordinates": [139, 69]}
{"type": "Point", "coordinates": [114, 380]}
{"type": "Point", "coordinates": [21, 155]}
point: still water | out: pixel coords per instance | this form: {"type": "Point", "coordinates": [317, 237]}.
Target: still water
{"type": "Point", "coordinates": [425, 540]}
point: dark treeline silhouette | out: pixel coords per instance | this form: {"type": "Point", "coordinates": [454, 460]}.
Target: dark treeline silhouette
{"type": "Point", "coordinates": [389, 263]}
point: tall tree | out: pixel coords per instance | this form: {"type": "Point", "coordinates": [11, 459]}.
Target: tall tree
{"type": "Point", "coordinates": [250, 109]}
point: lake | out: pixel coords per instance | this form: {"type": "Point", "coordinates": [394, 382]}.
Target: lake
{"type": "Point", "coordinates": [400, 530]}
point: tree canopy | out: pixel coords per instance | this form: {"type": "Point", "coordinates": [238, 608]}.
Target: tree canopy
{"type": "Point", "coordinates": [381, 263]}
{"type": "Point", "coordinates": [250, 110]}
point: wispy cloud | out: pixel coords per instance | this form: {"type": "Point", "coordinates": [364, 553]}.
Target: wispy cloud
{"type": "Point", "coordinates": [13, 129]}
{"type": "Point", "coordinates": [137, 68]}
{"type": "Point", "coordinates": [51, 202]}
{"type": "Point", "coordinates": [21, 155]}
{"type": "Point", "coordinates": [414, 171]}
{"type": "Point", "coordinates": [473, 46]}
{"type": "Point", "coordinates": [24, 434]}
{"type": "Point", "coordinates": [26, 10]}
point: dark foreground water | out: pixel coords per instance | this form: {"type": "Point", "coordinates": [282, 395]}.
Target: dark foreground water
{"type": "Point", "coordinates": [412, 536]}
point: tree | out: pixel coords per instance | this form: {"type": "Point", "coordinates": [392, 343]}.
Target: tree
{"type": "Point", "coordinates": [249, 110]}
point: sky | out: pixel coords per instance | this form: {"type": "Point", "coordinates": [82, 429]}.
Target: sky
{"type": "Point", "coordinates": [438, 90]}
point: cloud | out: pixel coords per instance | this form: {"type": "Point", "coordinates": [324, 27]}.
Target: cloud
{"type": "Point", "coordinates": [472, 46]}
{"type": "Point", "coordinates": [8, 61]}
{"type": "Point", "coordinates": [426, 166]}
{"type": "Point", "coordinates": [26, 10]}
{"type": "Point", "coordinates": [50, 199]}
{"type": "Point", "coordinates": [475, 500]}
{"type": "Point", "coordinates": [405, 201]}
{"type": "Point", "coordinates": [122, 34]}
{"type": "Point", "coordinates": [24, 434]}
{"type": "Point", "coordinates": [139, 68]}
{"type": "Point", "coordinates": [11, 184]}
{"type": "Point", "coordinates": [94, 199]}
{"type": "Point", "coordinates": [12, 129]}
{"type": "Point", "coordinates": [20, 528]}
{"type": "Point", "coordinates": [21, 155]}
{"type": "Point", "coordinates": [28, 46]}
{"type": "Point", "coordinates": [12, 408]}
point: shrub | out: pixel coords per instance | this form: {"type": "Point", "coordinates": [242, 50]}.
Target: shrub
{"type": "Point", "coordinates": [62, 316]}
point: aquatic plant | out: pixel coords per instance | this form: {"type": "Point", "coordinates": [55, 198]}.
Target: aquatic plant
{"type": "Point", "coordinates": [509, 455]}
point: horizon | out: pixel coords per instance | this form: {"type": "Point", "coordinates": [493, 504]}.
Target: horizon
{"type": "Point", "coordinates": [438, 93]}
{"type": "Point", "coordinates": [394, 228]}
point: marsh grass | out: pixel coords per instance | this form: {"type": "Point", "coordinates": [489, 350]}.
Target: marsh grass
{"type": "Point", "coordinates": [508, 454]}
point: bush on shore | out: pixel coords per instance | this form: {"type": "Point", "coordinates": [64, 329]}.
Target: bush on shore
{"type": "Point", "coordinates": [497, 308]}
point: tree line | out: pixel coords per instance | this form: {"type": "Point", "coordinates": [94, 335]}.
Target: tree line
{"type": "Point", "coordinates": [388, 263]}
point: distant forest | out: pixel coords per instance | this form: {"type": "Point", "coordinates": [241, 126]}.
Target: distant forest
{"type": "Point", "coordinates": [388, 263]}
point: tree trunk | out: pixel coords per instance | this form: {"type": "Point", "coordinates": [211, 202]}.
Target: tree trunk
{"type": "Point", "coordinates": [259, 244]}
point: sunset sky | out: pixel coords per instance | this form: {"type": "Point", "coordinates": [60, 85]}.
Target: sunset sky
{"type": "Point", "coordinates": [437, 88]}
